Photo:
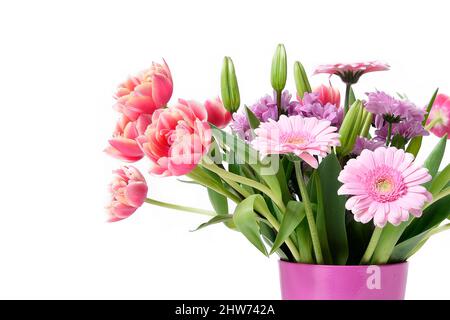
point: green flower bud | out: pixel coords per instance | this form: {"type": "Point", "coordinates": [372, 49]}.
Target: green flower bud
{"type": "Point", "coordinates": [301, 80]}
{"type": "Point", "coordinates": [229, 86]}
{"type": "Point", "coordinates": [279, 69]}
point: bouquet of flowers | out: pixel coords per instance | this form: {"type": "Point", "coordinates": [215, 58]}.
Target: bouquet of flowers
{"type": "Point", "coordinates": [306, 177]}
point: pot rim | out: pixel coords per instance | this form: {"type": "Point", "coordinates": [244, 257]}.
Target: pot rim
{"type": "Point", "coordinates": [334, 266]}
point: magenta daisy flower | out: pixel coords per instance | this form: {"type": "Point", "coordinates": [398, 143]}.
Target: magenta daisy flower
{"type": "Point", "coordinates": [351, 72]}
{"type": "Point", "coordinates": [304, 137]}
{"type": "Point", "coordinates": [384, 185]}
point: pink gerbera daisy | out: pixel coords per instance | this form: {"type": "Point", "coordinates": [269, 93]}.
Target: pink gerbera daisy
{"type": "Point", "coordinates": [385, 185]}
{"type": "Point", "coordinates": [351, 72]}
{"type": "Point", "coordinates": [304, 137]}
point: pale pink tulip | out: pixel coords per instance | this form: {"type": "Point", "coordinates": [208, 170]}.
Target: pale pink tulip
{"type": "Point", "coordinates": [123, 145]}
{"type": "Point", "coordinates": [440, 115]}
{"type": "Point", "coordinates": [128, 192]}
{"type": "Point", "coordinates": [146, 92]}
{"type": "Point", "coordinates": [177, 138]}
{"type": "Point", "coordinates": [217, 114]}
{"type": "Point", "coordinates": [328, 94]}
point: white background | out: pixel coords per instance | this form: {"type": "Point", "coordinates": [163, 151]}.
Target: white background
{"type": "Point", "coordinates": [60, 62]}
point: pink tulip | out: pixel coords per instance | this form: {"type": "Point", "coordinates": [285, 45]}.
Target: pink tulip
{"type": "Point", "coordinates": [217, 114]}
{"type": "Point", "coordinates": [146, 92]}
{"type": "Point", "coordinates": [177, 138]}
{"type": "Point", "coordinates": [123, 145]}
{"type": "Point", "coordinates": [328, 94]}
{"type": "Point", "coordinates": [128, 191]}
{"type": "Point", "coordinates": [440, 116]}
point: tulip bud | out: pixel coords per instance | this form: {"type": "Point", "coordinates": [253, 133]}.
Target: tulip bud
{"type": "Point", "coordinates": [229, 86]}
{"type": "Point", "coordinates": [301, 80]}
{"type": "Point", "coordinates": [279, 69]}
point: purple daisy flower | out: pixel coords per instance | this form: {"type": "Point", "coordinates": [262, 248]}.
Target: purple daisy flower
{"type": "Point", "coordinates": [264, 109]}
{"type": "Point", "coordinates": [406, 129]}
{"type": "Point", "coordinates": [310, 106]}
{"type": "Point", "coordinates": [380, 103]}
{"type": "Point", "coordinates": [364, 143]}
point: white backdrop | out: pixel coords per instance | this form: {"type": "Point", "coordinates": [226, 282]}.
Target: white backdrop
{"type": "Point", "coordinates": [60, 62]}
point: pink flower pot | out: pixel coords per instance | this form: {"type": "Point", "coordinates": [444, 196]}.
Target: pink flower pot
{"type": "Point", "coordinates": [322, 282]}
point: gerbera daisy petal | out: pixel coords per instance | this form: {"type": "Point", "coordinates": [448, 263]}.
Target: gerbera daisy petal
{"type": "Point", "coordinates": [304, 137]}
{"type": "Point", "coordinates": [384, 185]}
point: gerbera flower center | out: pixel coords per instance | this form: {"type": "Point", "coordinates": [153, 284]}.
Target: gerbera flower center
{"type": "Point", "coordinates": [296, 140]}
{"type": "Point", "coordinates": [385, 184]}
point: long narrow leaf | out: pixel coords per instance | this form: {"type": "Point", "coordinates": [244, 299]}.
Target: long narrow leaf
{"type": "Point", "coordinates": [334, 209]}
{"type": "Point", "coordinates": [295, 213]}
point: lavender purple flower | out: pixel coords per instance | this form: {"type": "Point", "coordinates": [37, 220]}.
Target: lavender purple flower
{"type": "Point", "coordinates": [393, 110]}
{"type": "Point", "coordinates": [310, 106]}
{"type": "Point", "coordinates": [364, 143]}
{"type": "Point", "coordinates": [264, 109]}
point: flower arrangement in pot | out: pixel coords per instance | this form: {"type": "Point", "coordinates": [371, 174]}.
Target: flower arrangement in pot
{"type": "Point", "coordinates": [334, 190]}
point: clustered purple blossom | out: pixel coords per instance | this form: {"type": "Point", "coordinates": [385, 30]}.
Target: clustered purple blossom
{"type": "Point", "coordinates": [364, 143]}
{"type": "Point", "coordinates": [266, 108]}
{"type": "Point", "coordinates": [310, 106]}
{"type": "Point", "coordinates": [405, 117]}
{"type": "Point", "coordinates": [382, 104]}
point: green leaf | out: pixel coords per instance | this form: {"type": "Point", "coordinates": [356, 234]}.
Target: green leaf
{"type": "Point", "coordinates": [440, 181]}
{"type": "Point", "coordinates": [432, 216]}
{"type": "Point", "coordinates": [398, 141]}
{"type": "Point", "coordinates": [430, 105]}
{"type": "Point", "coordinates": [405, 249]}
{"type": "Point", "coordinates": [252, 119]}
{"type": "Point", "coordinates": [215, 220]}
{"type": "Point", "coordinates": [352, 97]}
{"type": "Point", "coordinates": [416, 142]}
{"type": "Point", "coordinates": [334, 209]}
{"type": "Point", "coordinates": [246, 220]}
{"type": "Point", "coordinates": [282, 181]}
{"type": "Point", "coordinates": [243, 151]}
{"type": "Point", "coordinates": [295, 213]}
{"type": "Point", "coordinates": [304, 243]}
{"type": "Point", "coordinates": [269, 235]}
{"type": "Point", "coordinates": [321, 219]}
{"type": "Point", "coordinates": [433, 161]}
{"type": "Point", "coordinates": [414, 145]}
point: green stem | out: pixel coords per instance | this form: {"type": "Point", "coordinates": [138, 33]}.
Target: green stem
{"type": "Point", "coordinates": [249, 182]}
{"type": "Point", "coordinates": [309, 213]}
{"type": "Point", "coordinates": [389, 134]}
{"type": "Point", "coordinates": [279, 94]}
{"type": "Point", "coordinates": [372, 245]}
{"type": "Point", "coordinates": [347, 98]}
{"type": "Point", "coordinates": [433, 122]}
{"type": "Point", "coordinates": [180, 208]}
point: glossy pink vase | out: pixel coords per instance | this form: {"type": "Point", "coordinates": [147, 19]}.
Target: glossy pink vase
{"type": "Point", "coordinates": [321, 282]}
